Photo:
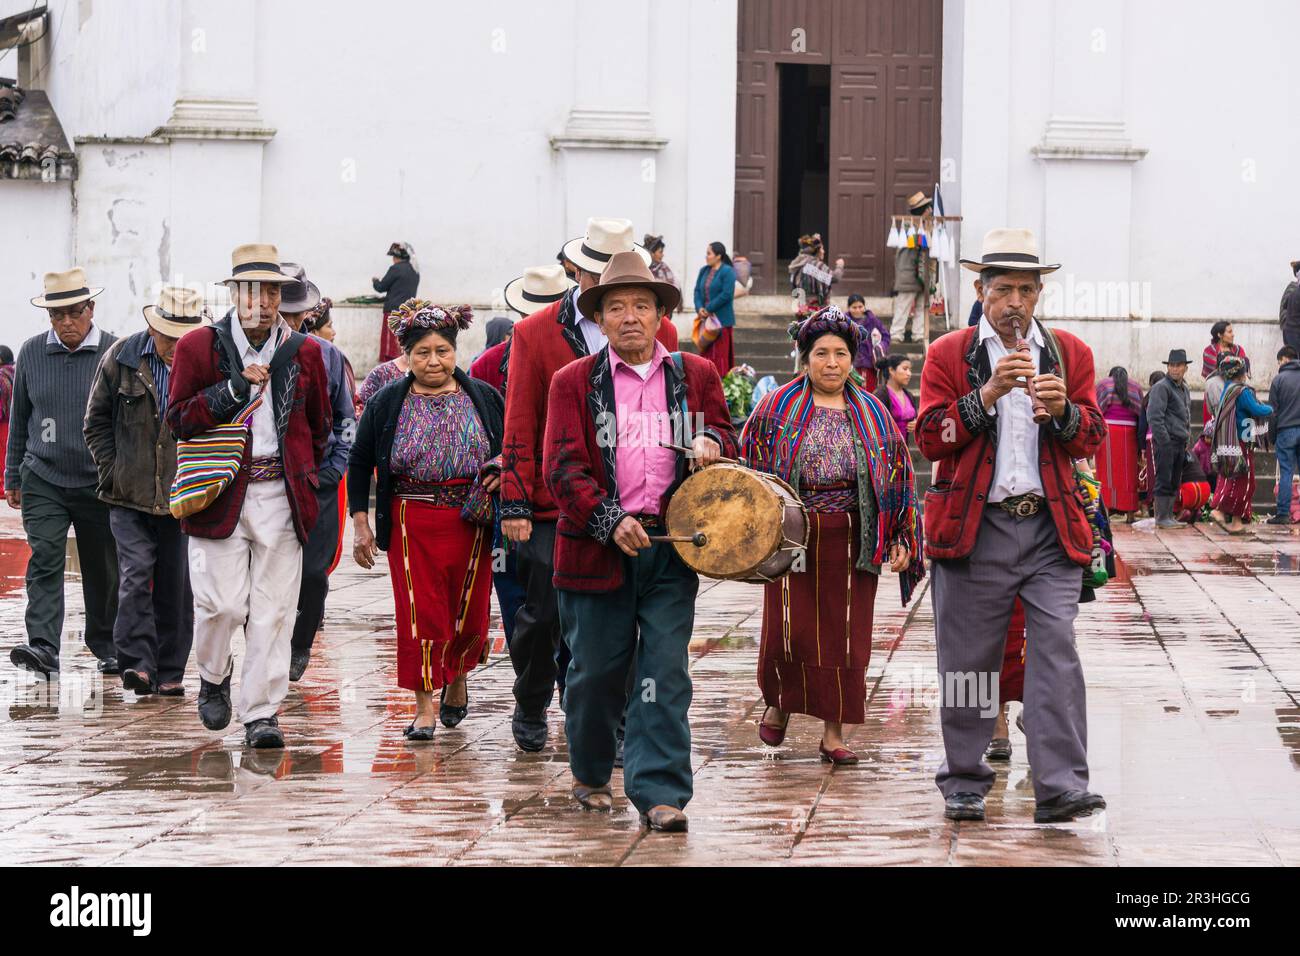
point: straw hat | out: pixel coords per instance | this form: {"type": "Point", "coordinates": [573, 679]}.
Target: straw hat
{"type": "Point", "coordinates": [537, 288]}
{"type": "Point", "coordinates": [918, 201]}
{"type": "Point", "coordinates": [256, 262]}
{"type": "Point", "coordinates": [604, 239]}
{"type": "Point", "coordinates": [628, 269]}
{"type": "Point", "coordinates": [64, 289]}
{"type": "Point", "coordinates": [1010, 249]}
{"type": "Point", "coordinates": [179, 310]}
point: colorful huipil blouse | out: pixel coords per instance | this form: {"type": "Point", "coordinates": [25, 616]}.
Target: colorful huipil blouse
{"type": "Point", "coordinates": [438, 448]}
{"type": "Point", "coordinates": [828, 466]}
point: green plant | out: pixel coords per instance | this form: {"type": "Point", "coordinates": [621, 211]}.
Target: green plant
{"type": "Point", "coordinates": [738, 389]}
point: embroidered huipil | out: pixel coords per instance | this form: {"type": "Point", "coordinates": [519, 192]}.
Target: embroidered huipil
{"type": "Point", "coordinates": [438, 439]}
{"type": "Point", "coordinates": [828, 464]}
{"type": "Point", "coordinates": [643, 469]}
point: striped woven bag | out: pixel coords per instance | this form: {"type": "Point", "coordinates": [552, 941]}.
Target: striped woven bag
{"type": "Point", "coordinates": [208, 463]}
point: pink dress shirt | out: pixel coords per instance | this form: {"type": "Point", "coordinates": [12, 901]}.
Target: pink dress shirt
{"type": "Point", "coordinates": [643, 469]}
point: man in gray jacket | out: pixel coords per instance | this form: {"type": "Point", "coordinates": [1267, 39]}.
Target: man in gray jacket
{"type": "Point", "coordinates": [1284, 396]}
{"type": "Point", "coordinates": [1169, 410]}
{"type": "Point", "coordinates": [50, 476]}
{"type": "Point", "coordinates": [135, 453]}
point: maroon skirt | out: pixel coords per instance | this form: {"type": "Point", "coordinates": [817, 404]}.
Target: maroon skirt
{"type": "Point", "coordinates": [722, 353]}
{"type": "Point", "coordinates": [388, 347]}
{"type": "Point", "coordinates": [816, 642]}
{"type": "Point", "coordinates": [1233, 496]}
{"type": "Point", "coordinates": [441, 568]}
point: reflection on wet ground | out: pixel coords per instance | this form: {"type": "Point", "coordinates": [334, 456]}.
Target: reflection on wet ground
{"type": "Point", "coordinates": [1194, 730]}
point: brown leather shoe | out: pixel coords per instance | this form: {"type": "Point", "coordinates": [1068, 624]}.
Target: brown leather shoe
{"type": "Point", "coordinates": [664, 818]}
{"type": "Point", "coordinates": [593, 798]}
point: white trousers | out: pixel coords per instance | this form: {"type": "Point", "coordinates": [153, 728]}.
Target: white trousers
{"type": "Point", "coordinates": [249, 580]}
{"type": "Point", "coordinates": [904, 303]}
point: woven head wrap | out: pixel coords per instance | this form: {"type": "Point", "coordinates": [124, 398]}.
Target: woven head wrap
{"type": "Point", "coordinates": [417, 315]}
{"type": "Point", "coordinates": [810, 243]}
{"type": "Point", "coordinates": [1230, 366]}
{"type": "Point", "coordinates": [824, 320]}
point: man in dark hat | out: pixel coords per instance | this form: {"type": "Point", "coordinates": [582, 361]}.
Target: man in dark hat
{"type": "Point", "coordinates": [1169, 410]}
{"type": "Point", "coordinates": [298, 300]}
{"type": "Point", "coordinates": [627, 601]}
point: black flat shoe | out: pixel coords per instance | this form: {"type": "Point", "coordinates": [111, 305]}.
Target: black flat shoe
{"type": "Point", "coordinates": [964, 806]}
{"type": "Point", "coordinates": [171, 689]}
{"type": "Point", "coordinates": [109, 666]}
{"type": "Point", "coordinates": [298, 661]}
{"type": "Point", "coordinates": [529, 732]}
{"type": "Point", "coordinates": [33, 659]}
{"type": "Point", "coordinates": [214, 704]}
{"type": "Point", "coordinates": [263, 734]}
{"type": "Point", "coordinates": [138, 681]}
{"type": "Point", "coordinates": [1071, 804]}
{"type": "Point", "coordinates": [999, 749]}
{"type": "Point", "coordinates": [449, 715]}
{"type": "Point", "coordinates": [418, 733]}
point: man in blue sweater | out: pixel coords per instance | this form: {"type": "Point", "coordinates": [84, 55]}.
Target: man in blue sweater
{"type": "Point", "coordinates": [51, 476]}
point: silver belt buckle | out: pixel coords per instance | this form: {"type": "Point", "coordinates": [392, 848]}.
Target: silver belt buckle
{"type": "Point", "coordinates": [1026, 508]}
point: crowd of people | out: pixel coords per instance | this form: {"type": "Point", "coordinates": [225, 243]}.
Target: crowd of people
{"type": "Point", "coordinates": [203, 484]}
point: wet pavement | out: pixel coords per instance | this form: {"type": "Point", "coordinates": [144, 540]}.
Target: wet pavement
{"type": "Point", "coordinates": [1193, 665]}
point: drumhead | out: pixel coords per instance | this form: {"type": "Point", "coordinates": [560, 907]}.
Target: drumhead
{"type": "Point", "coordinates": [740, 511]}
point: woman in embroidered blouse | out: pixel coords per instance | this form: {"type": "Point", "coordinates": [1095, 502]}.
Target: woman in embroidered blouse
{"type": "Point", "coordinates": [1240, 425]}
{"type": "Point", "coordinates": [837, 445]}
{"type": "Point", "coordinates": [895, 376]}
{"type": "Point", "coordinates": [433, 437]}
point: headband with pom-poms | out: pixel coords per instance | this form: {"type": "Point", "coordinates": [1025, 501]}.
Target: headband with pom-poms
{"type": "Point", "coordinates": [825, 320]}
{"type": "Point", "coordinates": [422, 314]}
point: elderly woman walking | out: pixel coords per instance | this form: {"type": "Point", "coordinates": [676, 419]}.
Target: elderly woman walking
{"type": "Point", "coordinates": [433, 437]}
{"type": "Point", "coordinates": [399, 284]}
{"type": "Point", "coordinates": [839, 448]}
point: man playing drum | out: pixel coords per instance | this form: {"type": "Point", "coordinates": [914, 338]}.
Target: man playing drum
{"type": "Point", "coordinates": [627, 600]}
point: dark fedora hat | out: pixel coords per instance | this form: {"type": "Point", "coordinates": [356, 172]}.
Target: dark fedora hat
{"type": "Point", "coordinates": [1177, 357]}
{"type": "Point", "coordinates": [627, 269]}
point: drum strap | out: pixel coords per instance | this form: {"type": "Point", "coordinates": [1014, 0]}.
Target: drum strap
{"type": "Point", "coordinates": [680, 363]}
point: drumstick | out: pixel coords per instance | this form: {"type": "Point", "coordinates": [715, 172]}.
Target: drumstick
{"type": "Point", "coordinates": [691, 451]}
{"type": "Point", "coordinates": [699, 539]}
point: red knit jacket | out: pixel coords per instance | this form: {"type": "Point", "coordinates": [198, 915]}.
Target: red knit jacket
{"type": "Point", "coordinates": [581, 471]}
{"type": "Point", "coordinates": [540, 346]}
{"type": "Point", "coordinates": [199, 399]}
{"type": "Point", "coordinates": [954, 431]}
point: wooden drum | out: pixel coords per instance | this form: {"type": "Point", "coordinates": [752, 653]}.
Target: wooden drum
{"type": "Point", "coordinates": [753, 524]}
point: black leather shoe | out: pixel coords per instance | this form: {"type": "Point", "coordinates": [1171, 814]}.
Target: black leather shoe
{"type": "Point", "coordinates": [964, 806]}
{"type": "Point", "coordinates": [413, 732]}
{"type": "Point", "coordinates": [214, 704]}
{"type": "Point", "coordinates": [33, 659]}
{"type": "Point", "coordinates": [530, 731]}
{"type": "Point", "coordinates": [298, 661]}
{"type": "Point", "coordinates": [263, 734]}
{"type": "Point", "coordinates": [1279, 519]}
{"type": "Point", "coordinates": [1071, 804]}
{"type": "Point", "coordinates": [449, 715]}
{"type": "Point", "coordinates": [999, 749]}
{"type": "Point", "coordinates": [138, 681]}
{"type": "Point", "coordinates": [109, 665]}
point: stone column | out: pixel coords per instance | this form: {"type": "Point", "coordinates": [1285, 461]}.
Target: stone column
{"type": "Point", "coordinates": [608, 144]}
{"type": "Point", "coordinates": [1087, 160]}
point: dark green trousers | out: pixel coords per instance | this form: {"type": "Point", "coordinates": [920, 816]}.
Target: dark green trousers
{"type": "Point", "coordinates": [48, 511]}
{"type": "Point", "coordinates": [644, 626]}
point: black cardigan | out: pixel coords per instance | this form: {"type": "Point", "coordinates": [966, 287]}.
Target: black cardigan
{"type": "Point", "coordinates": [374, 443]}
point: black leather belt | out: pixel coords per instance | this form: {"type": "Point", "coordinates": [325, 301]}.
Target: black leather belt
{"type": "Point", "coordinates": [1022, 506]}
{"type": "Point", "coordinates": [650, 522]}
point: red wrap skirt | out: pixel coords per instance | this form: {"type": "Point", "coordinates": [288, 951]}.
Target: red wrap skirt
{"type": "Point", "coordinates": [1117, 466]}
{"type": "Point", "coordinates": [816, 642]}
{"type": "Point", "coordinates": [441, 568]}
{"type": "Point", "coordinates": [1011, 682]}
{"type": "Point", "coordinates": [1233, 496]}
{"type": "Point", "coordinates": [388, 347]}
{"type": "Point", "coordinates": [722, 352]}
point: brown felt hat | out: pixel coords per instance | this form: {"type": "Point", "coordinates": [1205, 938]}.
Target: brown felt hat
{"type": "Point", "coordinates": [628, 269]}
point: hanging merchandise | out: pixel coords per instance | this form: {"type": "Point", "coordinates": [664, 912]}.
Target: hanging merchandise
{"type": "Point", "coordinates": [922, 238]}
{"type": "Point", "coordinates": [911, 236]}
{"type": "Point", "coordinates": [895, 239]}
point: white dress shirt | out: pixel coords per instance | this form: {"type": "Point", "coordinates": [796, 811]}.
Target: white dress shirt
{"type": "Point", "coordinates": [1015, 471]}
{"type": "Point", "coordinates": [91, 341]}
{"type": "Point", "coordinates": [266, 443]}
{"type": "Point", "coordinates": [591, 332]}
